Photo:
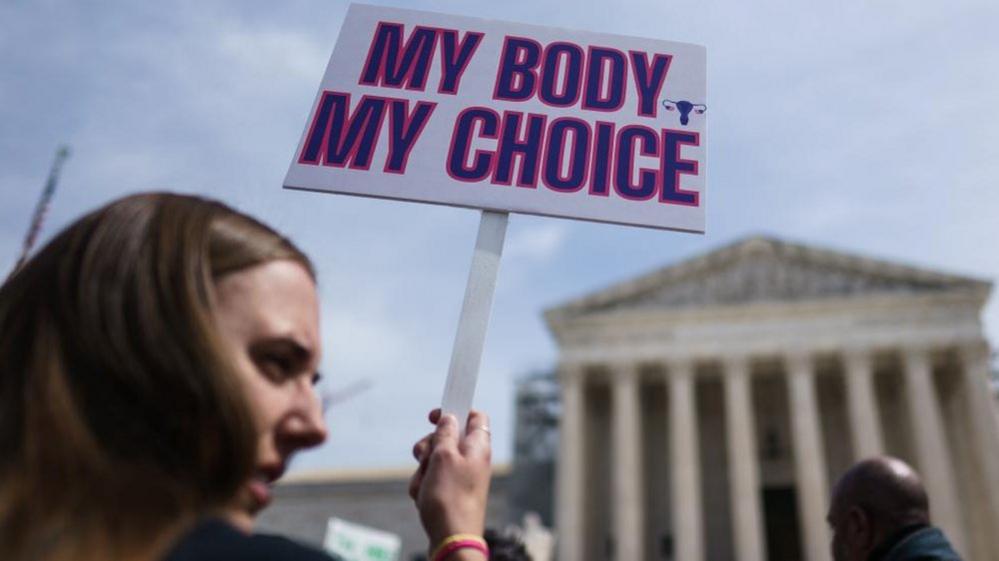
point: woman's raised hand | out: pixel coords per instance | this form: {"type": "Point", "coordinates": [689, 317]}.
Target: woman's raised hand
{"type": "Point", "coordinates": [451, 484]}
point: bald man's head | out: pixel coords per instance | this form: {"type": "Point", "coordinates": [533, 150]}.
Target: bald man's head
{"type": "Point", "coordinates": [873, 500]}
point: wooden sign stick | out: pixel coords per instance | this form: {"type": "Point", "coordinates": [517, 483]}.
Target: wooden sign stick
{"type": "Point", "coordinates": [468, 341]}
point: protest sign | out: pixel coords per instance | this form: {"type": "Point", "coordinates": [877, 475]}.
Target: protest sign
{"type": "Point", "coordinates": [507, 117]}
{"type": "Point", "coordinates": [354, 542]}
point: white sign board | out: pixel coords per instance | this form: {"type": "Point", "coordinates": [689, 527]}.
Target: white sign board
{"type": "Point", "coordinates": [354, 542]}
{"type": "Point", "coordinates": [509, 117]}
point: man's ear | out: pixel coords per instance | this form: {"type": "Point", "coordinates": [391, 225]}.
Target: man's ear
{"type": "Point", "coordinates": [860, 528]}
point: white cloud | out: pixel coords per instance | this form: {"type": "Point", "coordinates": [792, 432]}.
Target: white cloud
{"type": "Point", "coordinates": [536, 243]}
{"type": "Point", "coordinates": [274, 54]}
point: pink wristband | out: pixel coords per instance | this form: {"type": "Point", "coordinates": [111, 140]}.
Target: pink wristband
{"type": "Point", "coordinates": [444, 552]}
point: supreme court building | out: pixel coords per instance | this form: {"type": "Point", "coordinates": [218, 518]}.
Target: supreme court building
{"type": "Point", "coordinates": [708, 407]}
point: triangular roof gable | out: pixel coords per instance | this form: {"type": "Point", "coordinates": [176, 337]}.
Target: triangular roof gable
{"type": "Point", "coordinates": [761, 269]}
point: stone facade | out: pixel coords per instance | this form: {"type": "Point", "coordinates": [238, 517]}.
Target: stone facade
{"type": "Point", "coordinates": [708, 407]}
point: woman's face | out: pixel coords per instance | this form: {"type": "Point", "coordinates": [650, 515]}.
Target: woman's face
{"type": "Point", "coordinates": [269, 316]}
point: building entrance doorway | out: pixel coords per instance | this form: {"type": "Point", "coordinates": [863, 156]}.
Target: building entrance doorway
{"type": "Point", "coordinates": [780, 513]}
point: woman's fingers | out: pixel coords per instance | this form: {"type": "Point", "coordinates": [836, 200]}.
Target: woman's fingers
{"type": "Point", "coordinates": [414, 482]}
{"type": "Point", "coordinates": [446, 434]}
{"type": "Point", "coordinates": [421, 453]}
{"type": "Point", "coordinates": [435, 415]}
{"type": "Point", "coordinates": [477, 436]}
{"type": "Point", "coordinates": [477, 420]}
{"type": "Point", "coordinates": [475, 444]}
{"type": "Point", "coordinates": [422, 448]}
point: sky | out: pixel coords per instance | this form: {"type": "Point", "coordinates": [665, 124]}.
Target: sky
{"type": "Point", "coordinates": [865, 126]}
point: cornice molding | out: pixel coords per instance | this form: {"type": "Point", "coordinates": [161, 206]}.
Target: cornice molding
{"type": "Point", "coordinates": [766, 271]}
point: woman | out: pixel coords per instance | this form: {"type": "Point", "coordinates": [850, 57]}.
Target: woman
{"type": "Point", "coordinates": [157, 363]}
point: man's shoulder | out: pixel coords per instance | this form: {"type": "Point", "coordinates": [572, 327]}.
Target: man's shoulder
{"type": "Point", "coordinates": [927, 544]}
{"type": "Point", "coordinates": [214, 540]}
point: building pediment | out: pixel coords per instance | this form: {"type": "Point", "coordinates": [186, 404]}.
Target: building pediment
{"type": "Point", "coordinates": [759, 269]}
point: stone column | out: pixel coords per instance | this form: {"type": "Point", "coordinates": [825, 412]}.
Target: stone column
{"type": "Point", "coordinates": [982, 405]}
{"type": "Point", "coordinates": [865, 424]}
{"type": "Point", "coordinates": [570, 491]}
{"type": "Point", "coordinates": [626, 470]}
{"type": "Point", "coordinates": [743, 463]}
{"type": "Point", "coordinates": [809, 457]}
{"type": "Point", "coordinates": [932, 454]}
{"type": "Point", "coordinates": [688, 533]}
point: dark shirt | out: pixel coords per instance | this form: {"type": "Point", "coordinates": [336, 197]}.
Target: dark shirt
{"type": "Point", "coordinates": [915, 543]}
{"type": "Point", "coordinates": [214, 540]}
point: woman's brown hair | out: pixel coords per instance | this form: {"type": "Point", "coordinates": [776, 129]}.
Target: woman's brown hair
{"type": "Point", "coordinates": [120, 420]}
